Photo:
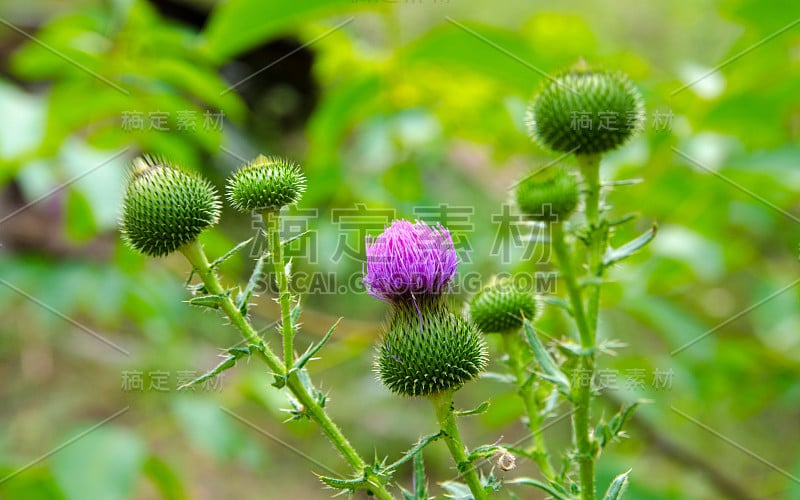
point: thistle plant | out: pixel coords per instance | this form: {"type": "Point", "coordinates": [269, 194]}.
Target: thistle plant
{"type": "Point", "coordinates": [426, 348]}
{"type": "Point", "coordinates": [585, 112]}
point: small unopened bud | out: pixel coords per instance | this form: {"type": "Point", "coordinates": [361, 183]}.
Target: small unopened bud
{"type": "Point", "coordinates": [586, 112]}
{"type": "Point", "coordinates": [165, 207]}
{"type": "Point", "coordinates": [501, 307]}
{"type": "Point", "coordinates": [548, 198]}
{"type": "Point", "coordinates": [266, 183]}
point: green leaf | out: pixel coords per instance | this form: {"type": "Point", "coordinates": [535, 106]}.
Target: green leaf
{"type": "Point", "coordinates": [314, 348]}
{"type": "Point", "coordinates": [420, 482]}
{"type": "Point", "coordinates": [456, 490]}
{"type": "Point", "coordinates": [500, 377]}
{"type": "Point", "coordinates": [231, 252]}
{"type": "Point", "coordinates": [210, 301]}
{"type": "Point", "coordinates": [538, 484]}
{"type": "Point", "coordinates": [617, 487]}
{"type": "Point", "coordinates": [615, 427]}
{"type": "Point", "coordinates": [481, 408]}
{"type": "Point", "coordinates": [234, 354]}
{"type": "Point", "coordinates": [349, 485]}
{"type": "Point", "coordinates": [546, 363]}
{"type": "Point", "coordinates": [164, 478]}
{"type": "Point", "coordinates": [614, 255]}
{"type": "Point", "coordinates": [416, 449]}
{"type": "Point", "coordinates": [243, 298]}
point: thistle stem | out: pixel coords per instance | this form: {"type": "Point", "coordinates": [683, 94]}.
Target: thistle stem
{"type": "Point", "coordinates": [443, 403]}
{"type": "Point", "coordinates": [582, 381]}
{"type": "Point", "coordinates": [514, 347]}
{"type": "Point", "coordinates": [196, 256]}
{"type": "Point", "coordinates": [271, 220]}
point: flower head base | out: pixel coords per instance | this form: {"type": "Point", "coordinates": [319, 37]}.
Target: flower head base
{"type": "Point", "coordinates": [266, 183]}
{"type": "Point", "coordinates": [408, 261]}
{"type": "Point", "coordinates": [501, 307]}
{"type": "Point", "coordinates": [427, 349]}
{"type": "Point", "coordinates": [165, 207]}
{"type": "Point", "coordinates": [586, 112]}
{"type": "Point", "coordinates": [549, 199]}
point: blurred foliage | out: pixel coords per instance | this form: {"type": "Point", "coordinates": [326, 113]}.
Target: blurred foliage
{"type": "Point", "coordinates": [417, 104]}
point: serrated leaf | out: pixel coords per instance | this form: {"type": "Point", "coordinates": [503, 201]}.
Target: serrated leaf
{"type": "Point", "coordinates": [527, 481]}
{"type": "Point", "coordinates": [546, 363]}
{"type": "Point", "coordinates": [420, 482]}
{"type": "Point", "coordinates": [456, 490]}
{"type": "Point", "coordinates": [617, 487]}
{"type": "Point", "coordinates": [210, 301]}
{"type": "Point", "coordinates": [484, 451]}
{"type": "Point", "coordinates": [615, 427]}
{"type": "Point", "coordinates": [230, 253]}
{"type": "Point", "coordinates": [314, 348]}
{"type": "Point", "coordinates": [614, 255]}
{"type": "Point", "coordinates": [234, 354]}
{"type": "Point", "coordinates": [350, 485]}
{"type": "Point", "coordinates": [417, 448]}
{"type": "Point", "coordinates": [481, 408]}
{"type": "Point", "coordinates": [244, 297]}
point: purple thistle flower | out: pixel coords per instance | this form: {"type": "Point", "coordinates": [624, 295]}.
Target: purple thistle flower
{"type": "Point", "coordinates": [408, 261]}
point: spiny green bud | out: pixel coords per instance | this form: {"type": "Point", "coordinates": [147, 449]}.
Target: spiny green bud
{"type": "Point", "coordinates": [266, 183]}
{"type": "Point", "coordinates": [549, 196]}
{"type": "Point", "coordinates": [166, 207]}
{"type": "Point", "coordinates": [427, 349]}
{"type": "Point", "coordinates": [501, 307]}
{"type": "Point", "coordinates": [586, 112]}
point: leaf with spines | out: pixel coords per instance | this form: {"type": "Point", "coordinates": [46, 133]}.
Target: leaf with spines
{"type": "Point", "coordinates": [420, 482]}
{"type": "Point", "coordinates": [479, 410]}
{"type": "Point", "coordinates": [617, 487]}
{"type": "Point", "coordinates": [314, 348]}
{"type": "Point", "coordinates": [243, 299]}
{"type": "Point", "coordinates": [550, 371]}
{"type": "Point", "coordinates": [550, 489]}
{"type": "Point", "coordinates": [230, 253]}
{"type": "Point", "coordinates": [234, 354]}
{"type": "Point", "coordinates": [615, 428]}
{"type": "Point", "coordinates": [614, 255]}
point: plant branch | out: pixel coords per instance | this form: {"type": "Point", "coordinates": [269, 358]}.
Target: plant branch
{"type": "Point", "coordinates": [196, 256]}
{"type": "Point", "coordinates": [514, 347]}
{"type": "Point", "coordinates": [443, 402]}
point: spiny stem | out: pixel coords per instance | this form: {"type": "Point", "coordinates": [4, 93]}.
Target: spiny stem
{"type": "Point", "coordinates": [443, 402]}
{"type": "Point", "coordinates": [514, 347]}
{"type": "Point", "coordinates": [567, 271]}
{"type": "Point", "coordinates": [598, 234]}
{"type": "Point", "coordinates": [196, 256]}
{"type": "Point", "coordinates": [271, 220]}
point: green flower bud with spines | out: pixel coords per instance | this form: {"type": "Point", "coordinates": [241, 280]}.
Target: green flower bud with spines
{"type": "Point", "coordinates": [266, 183]}
{"type": "Point", "coordinates": [501, 307]}
{"type": "Point", "coordinates": [166, 207]}
{"type": "Point", "coordinates": [427, 349]}
{"type": "Point", "coordinates": [548, 196]}
{"type": "Point", "coordinates": [586, 112]}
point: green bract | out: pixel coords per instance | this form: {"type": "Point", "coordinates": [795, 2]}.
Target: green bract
{"type": "Point", "coordinates": [548, 198]}
{"type": "Point", "coordinates": [266, 183]}
{"type": "Point", "coordinates": [501, 307]}
{"type": "Point", "coordinates": [586, 112]}
{"type": "Point", "coordinates": [166, 207]}
{"type": "Point", "coordinates": [429, 350]}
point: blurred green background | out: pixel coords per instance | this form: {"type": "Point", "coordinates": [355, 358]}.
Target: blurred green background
{"type": "Point", "coordinates": [404, 107]}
